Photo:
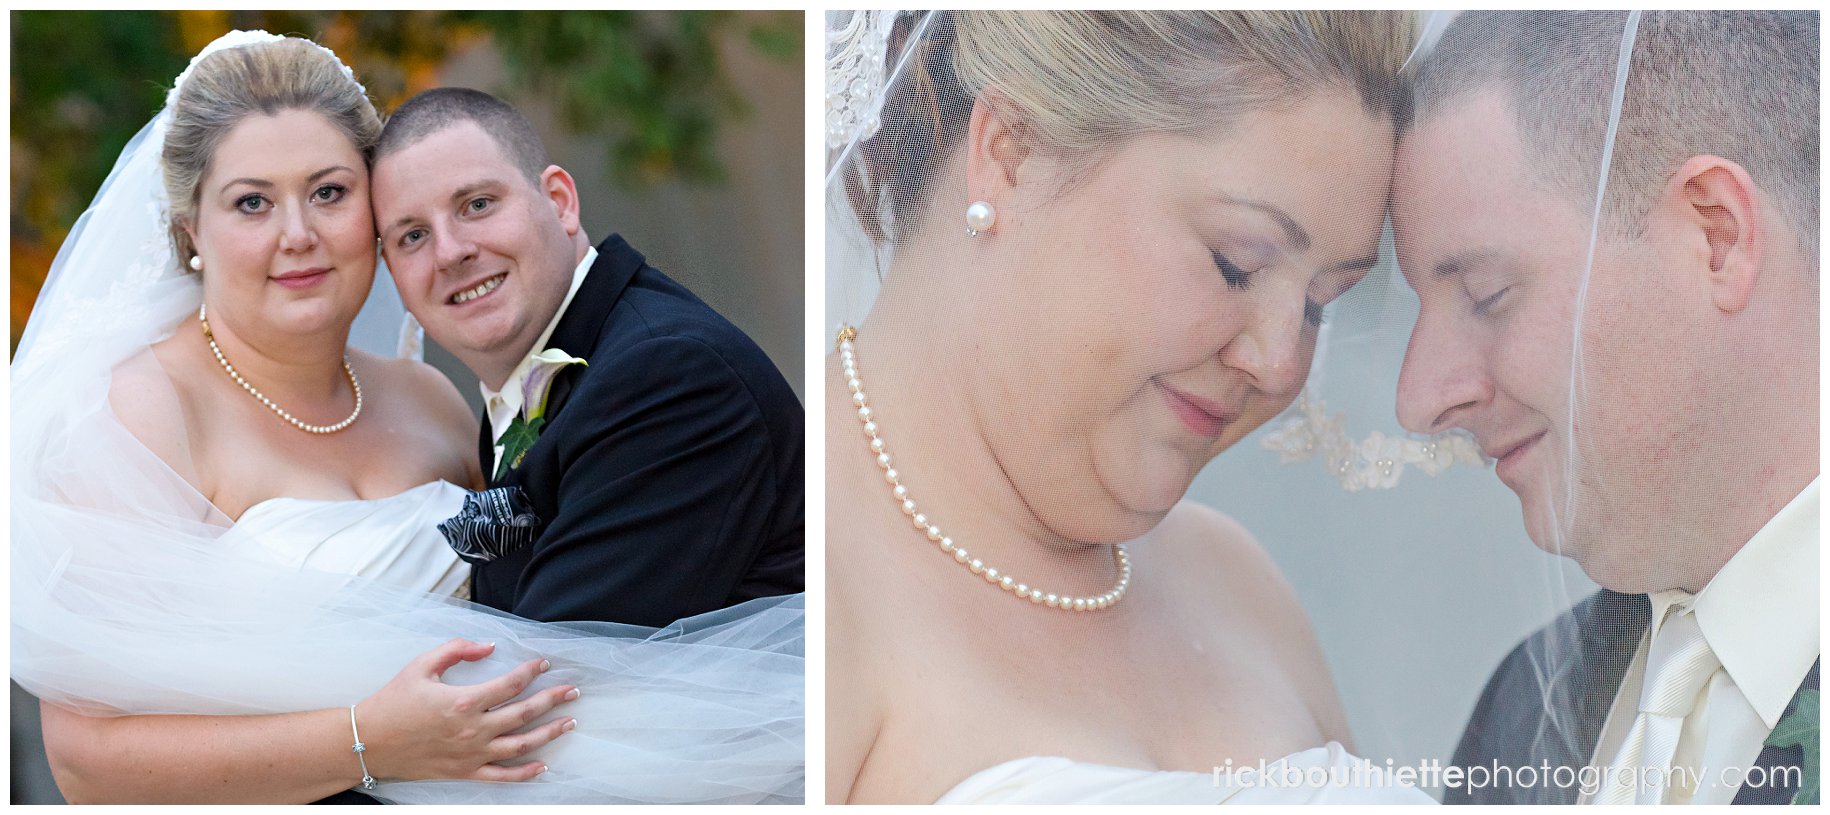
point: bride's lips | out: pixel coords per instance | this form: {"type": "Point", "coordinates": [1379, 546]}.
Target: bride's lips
{"type": "Point", "coordinates": [1203, 417]}
{"type": "Point", "coordinates": [302, 278]}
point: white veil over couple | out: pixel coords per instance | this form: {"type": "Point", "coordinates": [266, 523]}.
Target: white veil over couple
{"type": "Point", "coordinates": [137, 600]}
{"type": "Point", "coordinates": [1080, 255]}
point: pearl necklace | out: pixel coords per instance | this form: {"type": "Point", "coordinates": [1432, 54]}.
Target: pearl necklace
{"type": "Point", "coordinates": [320, 429]}
{"type": "Point", "coordinates": [847, 355]}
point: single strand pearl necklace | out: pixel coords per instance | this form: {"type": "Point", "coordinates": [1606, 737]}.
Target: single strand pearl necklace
{"type": "Point", "coordinates": [320, 429]}
{"type": "Point", "coordinates": [848, 355]}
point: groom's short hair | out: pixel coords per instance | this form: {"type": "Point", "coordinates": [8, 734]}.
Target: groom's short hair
{"type": "Point", "coordinates": [435, 110]}
{"type": "Point", "coordinates": [1739, 84]}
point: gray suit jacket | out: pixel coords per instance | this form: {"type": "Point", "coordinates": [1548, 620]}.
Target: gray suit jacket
{"type": "Point", "coordinates": [1548, 700]}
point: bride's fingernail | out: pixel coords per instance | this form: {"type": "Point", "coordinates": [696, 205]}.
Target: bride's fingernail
{"type": "Point", "coordinates": [568, 726]}
{"type": "Point", "coordinates": [571, 694]}
{"type": "Point", "coordinates": [542, 770]}
{"type": "Point", "coordinates": [544, 665]}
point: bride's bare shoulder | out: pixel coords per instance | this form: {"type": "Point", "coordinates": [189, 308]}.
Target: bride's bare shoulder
{"type": "Point", "coordinates": [1197, 535]}
{"type": "Point", "coordinates": [148, 395]}
{"type": "Point", "coordinates": [1224, 565]}
{"type": "Point", "coordinates": [1215, 556]}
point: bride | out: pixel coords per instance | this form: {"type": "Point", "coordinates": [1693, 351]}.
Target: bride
{"type": "Point", "coordinates": [183, 551]}
{"type": "Point", "coordinates": [1104, 243]}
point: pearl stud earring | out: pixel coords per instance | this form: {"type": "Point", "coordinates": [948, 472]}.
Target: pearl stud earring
{"type": "Point", "coordinates": [196, 263]}
{"type": "Point", "coordinates": [979, 218]}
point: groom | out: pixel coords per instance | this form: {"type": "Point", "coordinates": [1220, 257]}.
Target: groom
{"type": "Point", "coordinates": [644, 455]}
{"type": "Point", "coordinates": [1694, 501]}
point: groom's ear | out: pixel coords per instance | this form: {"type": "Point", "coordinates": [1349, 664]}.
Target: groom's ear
{"type": "Point", "coordinates": [562, 192]}
{"type": "Point", "coordinates": [997, 143]}
{"type": "Point", "coordinates": [1717, 209]}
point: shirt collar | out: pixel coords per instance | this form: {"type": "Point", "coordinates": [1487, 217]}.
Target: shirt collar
{"type": "Point", "coordinates": [1759, 613]}
{"type": "Point", "coordinates": [500, 406]}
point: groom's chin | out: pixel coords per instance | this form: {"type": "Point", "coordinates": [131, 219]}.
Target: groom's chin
{"type": "Point", "coordinates": [1610, 569]}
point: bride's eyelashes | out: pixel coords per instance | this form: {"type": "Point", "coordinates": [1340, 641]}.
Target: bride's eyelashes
{"type": "Point", "coordinates": [1239, 279]}
{"type": "Point", "coordinates": [1236, 278]}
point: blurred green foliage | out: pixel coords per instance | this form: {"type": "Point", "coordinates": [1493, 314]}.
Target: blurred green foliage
{"type": "Point", "coordinates": [653, 84]}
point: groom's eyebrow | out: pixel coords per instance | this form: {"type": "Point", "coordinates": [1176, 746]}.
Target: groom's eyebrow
{"type": "Point", "coordinates": [1457, 264]}
{"type": "Point", "coordinates": [457, 196]}
{"type": "Point", "coordinates": [471, 189]}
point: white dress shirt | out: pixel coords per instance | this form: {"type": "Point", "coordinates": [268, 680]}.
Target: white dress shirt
{"type": "Point", "coordinates": [501, 406]}
{"type": "Point", "coordinates": [1759, 615]}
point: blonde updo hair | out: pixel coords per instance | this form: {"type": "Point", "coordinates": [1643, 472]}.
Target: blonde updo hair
{"type": "Point", "coordinates": [1080, 83]}
{"type": "Point", "coordinates": [232, 84]}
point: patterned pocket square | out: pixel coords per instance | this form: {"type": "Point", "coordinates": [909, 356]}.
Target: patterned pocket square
{"type": "Point", "coordinates": [492, 524]}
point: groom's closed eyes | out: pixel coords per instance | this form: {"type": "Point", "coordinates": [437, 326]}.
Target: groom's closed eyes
{"type": "Point", "coordinates": [1486, 276]}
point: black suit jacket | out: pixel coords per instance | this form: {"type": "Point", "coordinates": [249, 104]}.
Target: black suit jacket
{"type": "Point", "coordinates": [1547, 703]}
{"type": "Point", "coordinates": [669, 473]}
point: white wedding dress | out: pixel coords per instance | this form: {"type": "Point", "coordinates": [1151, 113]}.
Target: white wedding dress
{"type": "Point", "coordinates": [1319, 775]}
{"type": "Point", "coordinates": [394, 539]}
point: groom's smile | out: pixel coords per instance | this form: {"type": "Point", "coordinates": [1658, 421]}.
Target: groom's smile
{"type": "Point", "coordinates": [1510, 458]}
{"type": "Point", "coordinates": [478, 291]}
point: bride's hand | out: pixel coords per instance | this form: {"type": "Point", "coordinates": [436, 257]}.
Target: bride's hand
{"type": "Point", "coordinates": [418, 727]}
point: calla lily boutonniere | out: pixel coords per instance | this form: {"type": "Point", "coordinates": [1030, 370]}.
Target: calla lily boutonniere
{"type": "Point", "coordinates": [525, 429]}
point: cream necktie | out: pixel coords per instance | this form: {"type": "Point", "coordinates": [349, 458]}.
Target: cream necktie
{"type": "Point", "coordinates": [1678, 668]}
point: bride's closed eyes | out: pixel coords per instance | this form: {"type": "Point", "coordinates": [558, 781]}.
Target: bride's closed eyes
{"type": "Point", "coordinates": [1240, 279]}
{"type": "Point", "coordinates": [1247, 257]}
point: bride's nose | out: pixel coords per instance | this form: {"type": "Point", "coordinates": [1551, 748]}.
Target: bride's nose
{"type": "Point", "coordinates": [1269, 348]}
{"type": "Point", "coordinates": [296, 231]}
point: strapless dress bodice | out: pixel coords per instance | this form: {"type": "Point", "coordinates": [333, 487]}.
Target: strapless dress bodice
{"type": "Point", "coordinates": [1293, 779]}
{"type": "Point", "coordinates": [394, 539]}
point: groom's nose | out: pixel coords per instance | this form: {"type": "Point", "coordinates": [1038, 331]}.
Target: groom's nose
{"type": "Point", "coordinates": [1442, 380]}
{"type": "Point", "coordinates": [452, 250]}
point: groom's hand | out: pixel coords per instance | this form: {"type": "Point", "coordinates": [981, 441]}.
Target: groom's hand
{"type": "Point", "coordinates": [418, 727]}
